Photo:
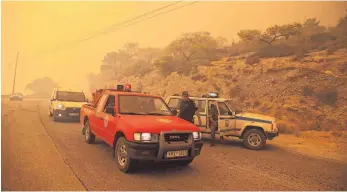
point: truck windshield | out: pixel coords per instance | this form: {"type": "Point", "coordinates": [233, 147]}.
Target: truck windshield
{"type": "Point", "coordinates": [142, 105]}
{"type": "Point", "coordinates": [71, 96]}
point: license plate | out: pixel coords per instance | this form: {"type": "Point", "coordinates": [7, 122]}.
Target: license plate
{"type": "Point", "coordinates": [74, 114]}
{"type": "Point", "coordinates": [173, 154]}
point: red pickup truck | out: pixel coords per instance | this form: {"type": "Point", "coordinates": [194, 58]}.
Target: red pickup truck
{"type": "Point", "coordinates": [139, 127]}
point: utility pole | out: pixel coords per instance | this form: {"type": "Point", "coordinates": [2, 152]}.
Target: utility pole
{"type": "Point", "coordinates": [15, 73]}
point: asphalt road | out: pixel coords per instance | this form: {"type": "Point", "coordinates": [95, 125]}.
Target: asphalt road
{"type": "Point", "coordinates": [40, 154]}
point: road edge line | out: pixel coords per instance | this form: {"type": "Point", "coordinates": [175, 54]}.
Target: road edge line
{"type": "Point", "coordinates": [55, 145]}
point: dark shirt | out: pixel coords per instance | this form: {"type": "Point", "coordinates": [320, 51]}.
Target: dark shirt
{"type": "Point", "coordinates": [214, 113]}
{"type": "Point", "coordinates": [187, 110]}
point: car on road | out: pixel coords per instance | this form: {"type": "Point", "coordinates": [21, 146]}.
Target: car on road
{"type": "Point", "coordinates": [66, 104]}
{"type": "Point", "coordinates": [16, 97]}
{"type": "Point", "coordinates": [139, 127]}
{"type": "Point", "coordinates": [254, 129]}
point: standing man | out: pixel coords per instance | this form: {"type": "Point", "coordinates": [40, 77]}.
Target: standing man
{"type": "Point", "coordinates": [213, 122]}
{"type": "Point", "coordinates": [188, 109]}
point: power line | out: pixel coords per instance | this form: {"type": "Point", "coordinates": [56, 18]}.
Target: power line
{"type": "Point", "coordinates": [126, 24]}
{"type": "Point", "coordinates": [110, 28]}
{"type": "Point", "coordinates": [129, 24]}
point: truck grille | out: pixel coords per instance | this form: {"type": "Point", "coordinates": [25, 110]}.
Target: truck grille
{"type": "Point", "coordinates": [72, 110]}
{"type": "Point", "coordinates": [176, 137]}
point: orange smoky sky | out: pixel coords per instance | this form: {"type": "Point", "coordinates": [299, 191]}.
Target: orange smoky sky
{"type": "Point", "coordinates": [32, 28]}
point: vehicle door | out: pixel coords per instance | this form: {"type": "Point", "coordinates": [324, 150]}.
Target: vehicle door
{"type": "Point", "coordinates": [174, 104]}
{"type": "Point", "coordinates": [97, 120]}
{"type": "Point", "coordinates": [209, 115]}
{"type": "Point", "coordinates": [52, 102]}
{"type": "Point", "coordinates": [201, 105]}
{"type": "Point", "coordinates": [226, 120]}
{"type": "Point", "coordinates": [108, 117]}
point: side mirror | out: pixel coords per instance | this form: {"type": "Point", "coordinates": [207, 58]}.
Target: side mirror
{"type": "Point", "coordinates": [174, 112]}
{"type": "Point", "coordinates": [110, 110]}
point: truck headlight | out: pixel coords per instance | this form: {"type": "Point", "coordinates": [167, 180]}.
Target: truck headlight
{"type": "Point", "coordinates": [60, 106]}
{"type": "Point", "coordinates": [146, 137]}
{"type": "Point", "coordinates": [196, 135]}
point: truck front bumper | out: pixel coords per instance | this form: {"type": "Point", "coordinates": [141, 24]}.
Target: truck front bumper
{"type": "Point", "coordinates": [157, 151]}
{"type": "Point", "coordinates": [271, 135]}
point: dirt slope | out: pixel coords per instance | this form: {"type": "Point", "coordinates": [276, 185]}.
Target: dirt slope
{"type": "Point", "coordinates": [310, 93]}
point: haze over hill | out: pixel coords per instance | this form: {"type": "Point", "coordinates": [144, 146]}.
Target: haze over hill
{"type": "Point", "coordinates": [35, 27]}
{"type": "Point", "coordinates": [296, 71]}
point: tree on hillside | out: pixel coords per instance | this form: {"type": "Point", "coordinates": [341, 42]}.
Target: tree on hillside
{"type": "Point", "coordinates": [341, 26]}
{"type": "Point", "coordinates": [129, 60]}
{"type": "Point", "coordinates": [190, 50]}
{"type": "Point", "coordinates": [249, 35]}
{"type": "Point", "coordinates": [192, 46]}
{"type": "Point", "coordinates": [271, 34]}
{"type": "Point", "coordinates": [42, 86]}
{"type": "Point", "coordinates": [149, 54]}
{"type": "Point", "coordinates": [167, 65]}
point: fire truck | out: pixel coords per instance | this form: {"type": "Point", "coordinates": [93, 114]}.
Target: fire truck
{"type": "Point", "coordinates": [139, 127]}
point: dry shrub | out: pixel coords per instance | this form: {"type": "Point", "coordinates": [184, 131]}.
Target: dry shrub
{"type": "Point", "coordinates": [234, 80]}
{"type": "Point", "coordinates": [300, 53]}
{"type": "Point", "coordinates": [281, 50]}
{"type": "Point", "coordinates": [302, 101]}
{"type": "Point", "coordinates": [235, 91]}
{"type": "Point", "coordinates": [247, 71]}
{"type": "Point", "coordinates": [229, 67]}
{"type": "Point", "coordinates": [274, 81]}
{"type": "Point", "coordinates": [336, 133]}
{"type": "Point", "coordinates": [343, 68]}
{"type": "Point", "coordinates": [256, 103]}
{"type": "Point", "coordinates": [242, 98]}
{"type": "Point", "coordinates": [247, 103]}
{"type": "Point", "coordinates": [308, 91]}
{"type": "Point", "coordinates": [285, 127]}
{"type": "Point", "coordinates": [199, 77]}
{"type": "Point", "coordinates": [252, 59]}
{"type": "Point", "coordinates": [327, 96]}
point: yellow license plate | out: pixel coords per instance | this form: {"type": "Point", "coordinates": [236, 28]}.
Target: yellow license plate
{"type": "Point", "coordinates": [174, 154]}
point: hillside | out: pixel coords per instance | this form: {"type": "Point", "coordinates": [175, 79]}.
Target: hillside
{"type": "Point", "coordinates": [311, 94]}
{"type": "Point", "coordinates": [296, 72]}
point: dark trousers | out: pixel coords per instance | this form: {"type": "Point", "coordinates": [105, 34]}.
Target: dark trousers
{"type": "Point", "coordinates": [213, 128]}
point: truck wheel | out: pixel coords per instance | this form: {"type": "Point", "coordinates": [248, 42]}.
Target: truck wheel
{"type": "Point", "coordinates": [89, 136]}
{"type": "Point", "coordinates": [254, 139]}
{"type": "Point", "coordinates": [184, 162]}
{"type": "Point", "coordinates": [123, 161]}
{"type": "Point", "coordinates": [54, 115]}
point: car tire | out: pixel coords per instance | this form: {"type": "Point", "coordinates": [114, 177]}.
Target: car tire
{"type": "Point", "coordinates": [55, 118]}
{"type": "Point", "coordinates": [185, 162]}
{"type": "Point", "coordinates": [88, 135]}
{"type": "Point", "coordinates": [254, 139]}
{"type": "Point", "coordinates": [123, 160]}
{"type": "Point", "coordinates": [54, 115]}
